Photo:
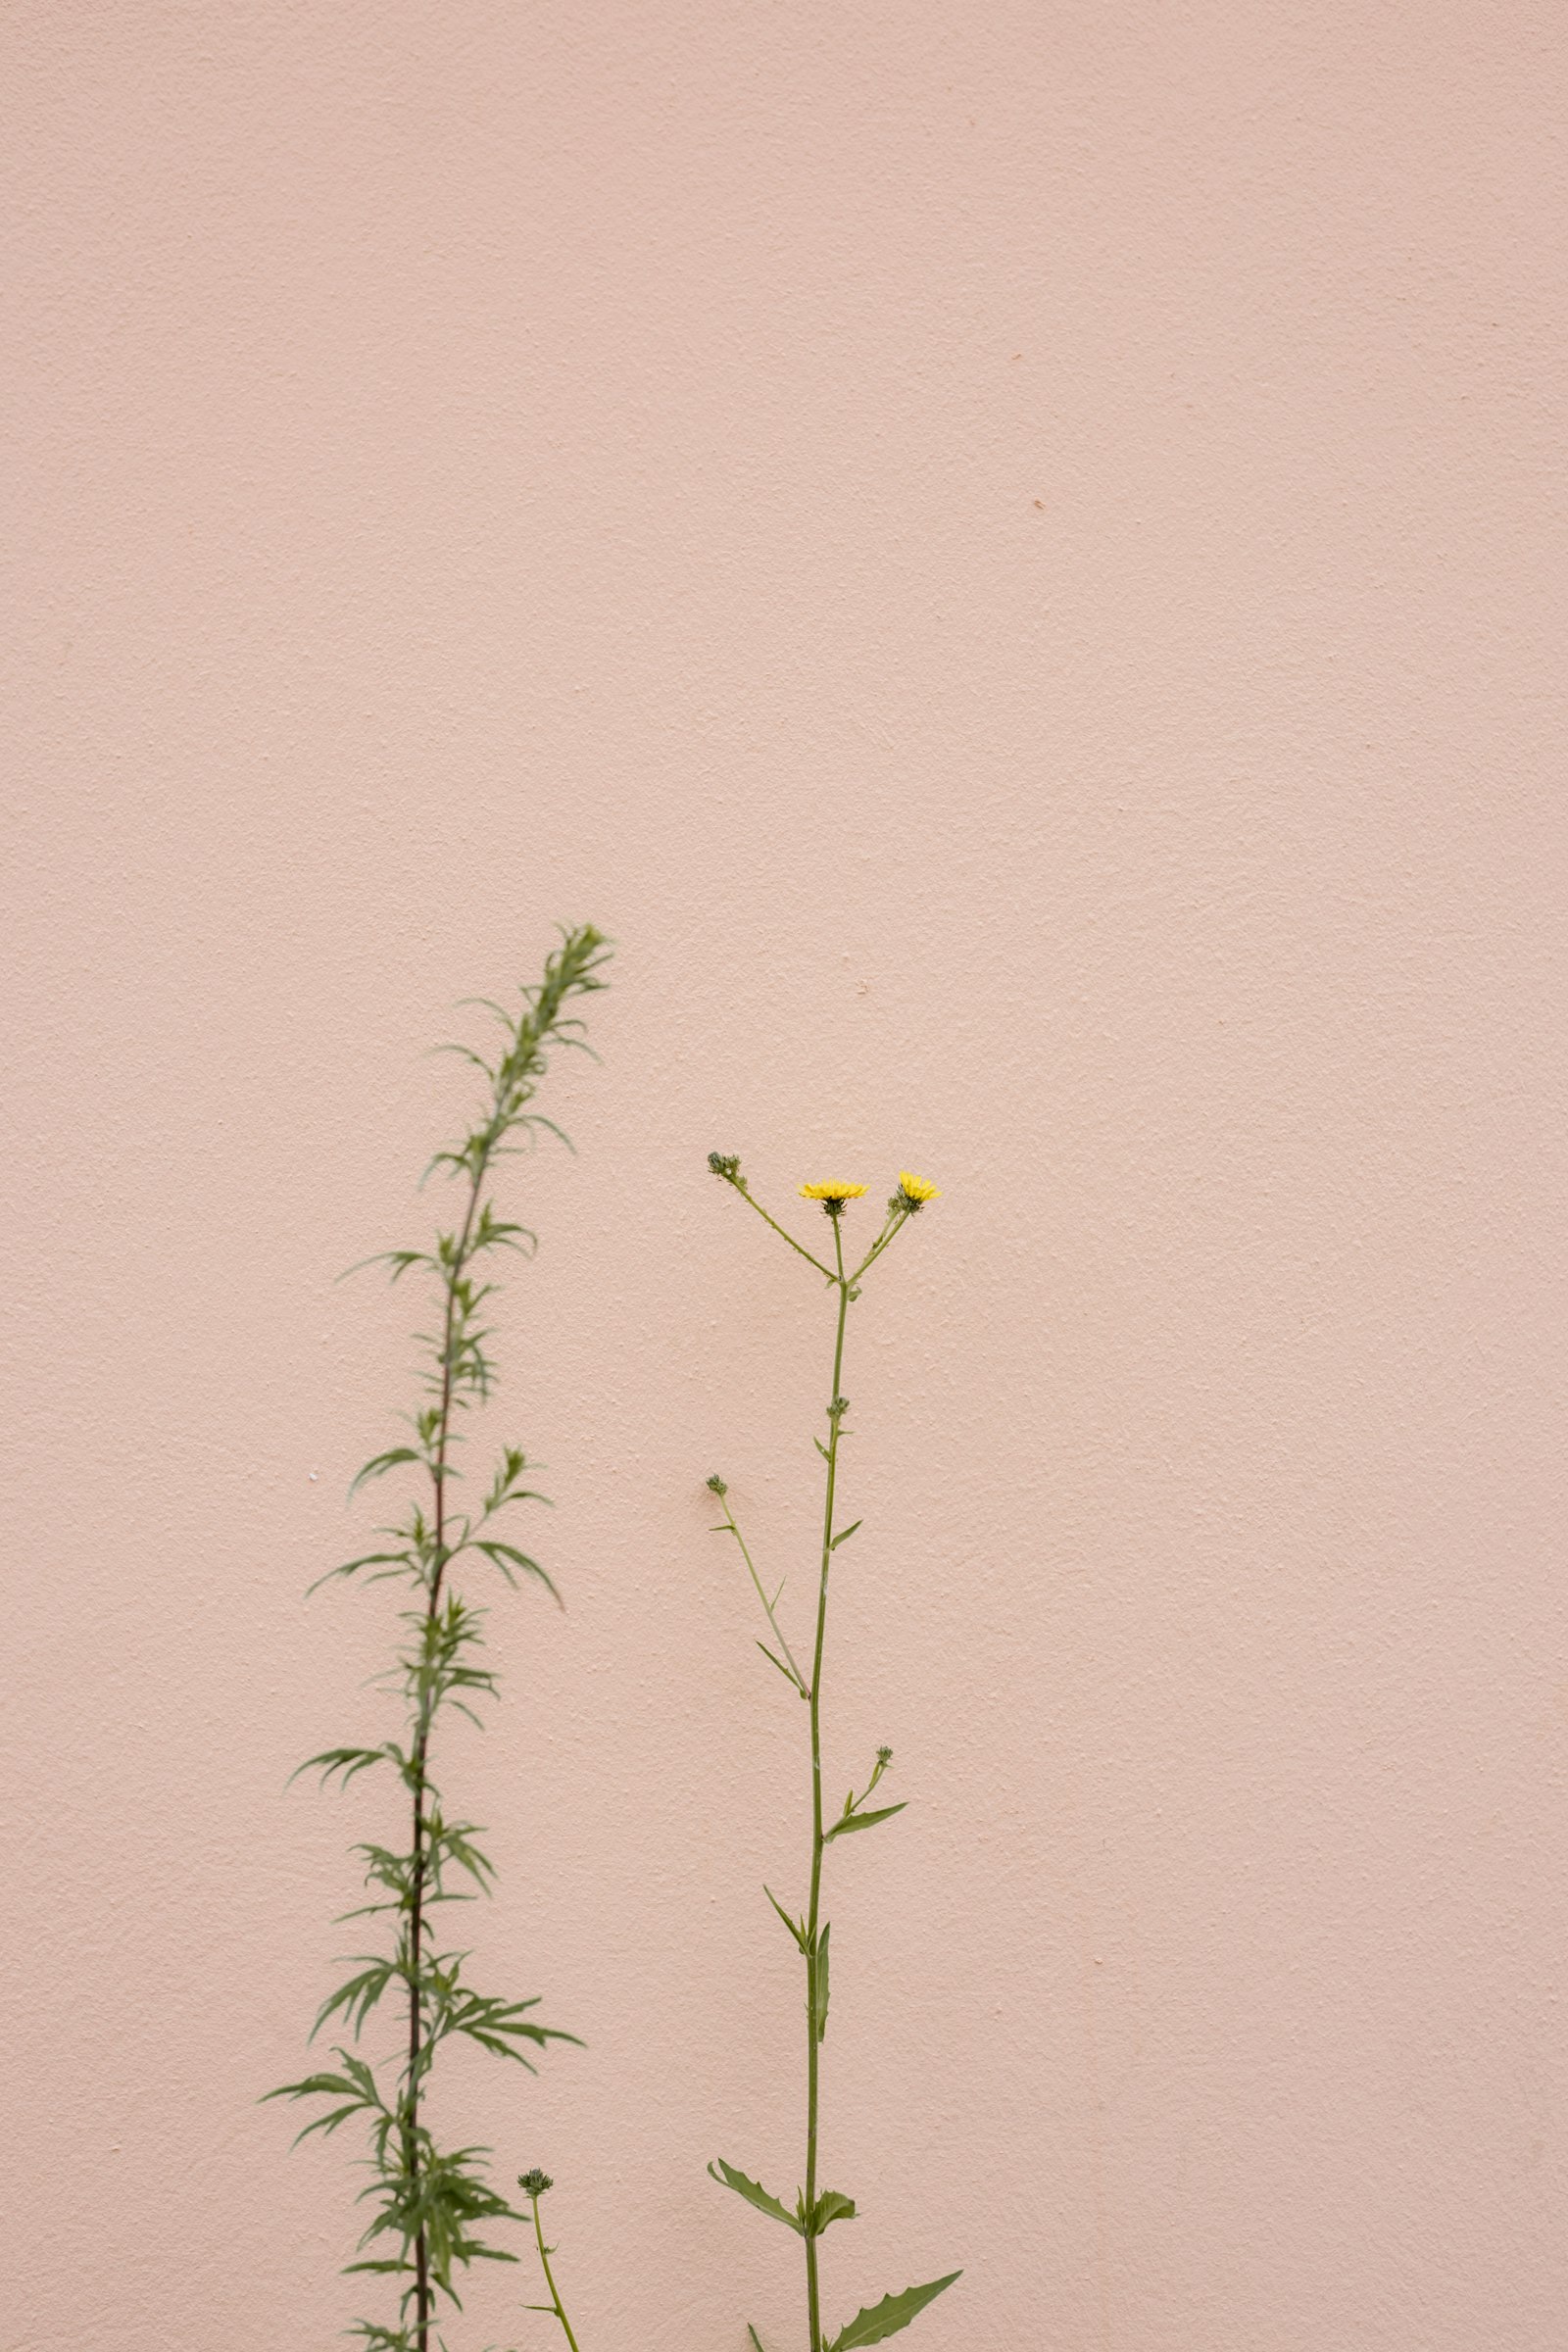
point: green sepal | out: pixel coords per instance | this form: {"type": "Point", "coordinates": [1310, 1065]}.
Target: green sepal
{"type": "Point", "coordinates": [755, 2194]}
{"type": "Point", "coordinates": [863, 1821]}
{"type": "Point", "coordinates": [884, 2319]}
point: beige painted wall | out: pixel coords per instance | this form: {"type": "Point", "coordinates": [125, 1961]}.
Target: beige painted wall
{"type": "Point", "coordinates": [1003, 551]}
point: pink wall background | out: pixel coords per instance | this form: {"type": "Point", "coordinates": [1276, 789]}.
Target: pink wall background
{"type": "Point", "coordinates": [1006, 552]}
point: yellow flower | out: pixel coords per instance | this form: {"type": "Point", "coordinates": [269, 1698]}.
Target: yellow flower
{"type": "Point", "coordinates": [915, 1189]}
{"type": "Point", "coordinates": [831, 1191]}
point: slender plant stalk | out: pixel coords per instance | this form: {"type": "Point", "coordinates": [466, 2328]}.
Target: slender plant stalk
{"type": "Point", "coordinates": [815, 1952]}
{"type": "Point", "coordinates": [533, 2187]}
{"type": "Point", "coordinates": [816, 2209]}
{"type": "Point", "coordinates": [433, 2203]}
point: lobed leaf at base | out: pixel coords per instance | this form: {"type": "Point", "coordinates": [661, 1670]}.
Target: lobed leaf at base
{"type": "Point", "coordinates": [886, 2317]}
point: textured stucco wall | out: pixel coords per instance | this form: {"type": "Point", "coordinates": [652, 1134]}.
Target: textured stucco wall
{"type": "Point", "coordinates": [1003, 551]}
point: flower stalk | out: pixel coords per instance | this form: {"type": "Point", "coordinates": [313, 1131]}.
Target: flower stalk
{"type": "Point", "coordinates": [533, 2187]}
{"type": "Point", "coordinates": [816, 2209]}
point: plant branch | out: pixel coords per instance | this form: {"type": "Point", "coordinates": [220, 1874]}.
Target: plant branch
{"type": "Point", "coordinates": [535, 2184]}
{"type": "Point", "coordinates": [730, 1528]}
{"type": "Point", "coordinates": [729, 1169]}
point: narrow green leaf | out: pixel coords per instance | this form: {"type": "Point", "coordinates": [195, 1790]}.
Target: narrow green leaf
{"type": "Point", "coordinates": [884, 2319]}
{"type": "Point", "coordinates": [400, 1260]}
{"type": "Point", "coordinates": [792, 1679]}
{"type": "Point", "coordinates": [755, 2194]}
{"type": "Point", "coordinates": [756, 2338]}
{"type": "Point", "coordinates": [798, 1931]}
{"type": "Point", "coordinates": [820, 2002]}
{"type": "Point", "coordinates": [847, 1533]}
{"type": "Point", "coordinates": [863, 1821]}
{"type": "Point", "coordinates": [345, 1760]}
{"type": "Point", "coordinates": [359, 1996]}
{"type": "Point", "coordinates": [505, 1556]}
{"type": "Point", "coordinates": [390, 1563]}
{"type": "Point", "coordinates": [381, 1464]}
{"type": "Point", "coordinates": [327, 2085]}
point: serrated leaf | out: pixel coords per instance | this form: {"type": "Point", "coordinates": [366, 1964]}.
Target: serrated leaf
{"type": "Point", "coordinates": [831, 2206]}
{"type": "Point", "coordinates": [863, 1821]}
{"type": "Point", "coordinates": [755, 2194]}
{"type": "Point", "coordinates": [847, 1533]}
{"type": "Point", "coordinates": [355, 2086]}
{"type": "Point", "coordinates": [359, 1996]}
{"type": "Point", "coordinates": [884, 2319]}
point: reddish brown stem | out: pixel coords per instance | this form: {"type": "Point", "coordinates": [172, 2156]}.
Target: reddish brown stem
{"type": "Point", "coordinates": [421, 1748]}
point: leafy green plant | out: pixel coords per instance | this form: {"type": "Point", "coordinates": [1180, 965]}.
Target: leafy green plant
{"type": "Point", "coordinates": [432, 2209]}
{"type": "Point", "coordinates": [816, 2209]}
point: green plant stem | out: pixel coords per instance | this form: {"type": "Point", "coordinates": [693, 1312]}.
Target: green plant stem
{"type": "Point", "coordinates": [897, 1220]}
{"type": "Point", "coordinates": [813, 1949]}
{"type": "Point", "coordinates": [550, 2276]}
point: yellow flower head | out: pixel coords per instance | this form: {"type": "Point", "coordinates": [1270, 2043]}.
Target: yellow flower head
{"type": "Point", "coordinates": [831, 1191]}
{"type": "Point", "coordinates": [914, 1191]}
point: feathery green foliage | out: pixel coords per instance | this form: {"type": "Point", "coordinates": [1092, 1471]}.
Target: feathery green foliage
{"type": "Point", "coordinates": [815, 2211]}
{"type": "Point", "coordinates": [432, 2210]}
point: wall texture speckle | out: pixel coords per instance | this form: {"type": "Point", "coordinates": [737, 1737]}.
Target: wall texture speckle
{"type": "Point", "coordinates": [1004, 551]}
